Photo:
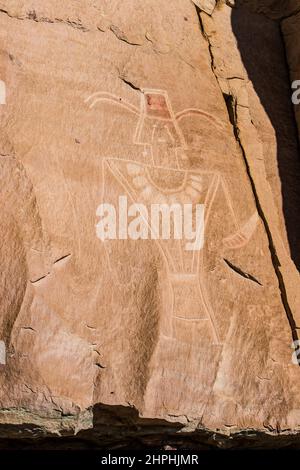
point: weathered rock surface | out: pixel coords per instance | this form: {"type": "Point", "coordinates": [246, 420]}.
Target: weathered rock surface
{"type": "Point", "coordinates": [188, 102]}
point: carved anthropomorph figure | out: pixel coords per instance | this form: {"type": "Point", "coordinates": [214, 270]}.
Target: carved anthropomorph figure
{"type": "Point", "coordinates": [163, 176]}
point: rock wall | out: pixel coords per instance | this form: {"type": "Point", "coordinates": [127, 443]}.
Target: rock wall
{"type": "Point", "coordinates": [185, 102]}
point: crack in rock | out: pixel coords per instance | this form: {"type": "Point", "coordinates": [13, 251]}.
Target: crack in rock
{"type": "Point", "coordinates": [231, 105]}
{"type": "Point", "coordinates": [242, 273]}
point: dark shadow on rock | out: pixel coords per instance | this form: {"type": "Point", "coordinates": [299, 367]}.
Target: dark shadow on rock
{"type": "Point", "coordinates": [120, 428]}
{"type": "Point", "coordinates": [261, 46]}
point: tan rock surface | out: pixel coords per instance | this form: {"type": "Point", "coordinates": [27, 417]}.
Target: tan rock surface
{"type": "Point", "coordinates": [162, 105]}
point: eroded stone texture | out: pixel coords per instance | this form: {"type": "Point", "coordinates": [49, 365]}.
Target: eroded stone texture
{"type": "Point", "coordinates": [106, 99]}
{"type": "Point", "coordinates": [206, 5]}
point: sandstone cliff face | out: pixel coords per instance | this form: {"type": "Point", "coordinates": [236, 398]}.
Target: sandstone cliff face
{"type": "Point", "coordinates": [163, 102]}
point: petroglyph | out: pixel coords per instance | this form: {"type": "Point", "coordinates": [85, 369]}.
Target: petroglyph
{"type": "Point", "coordinates": [165, 180]}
